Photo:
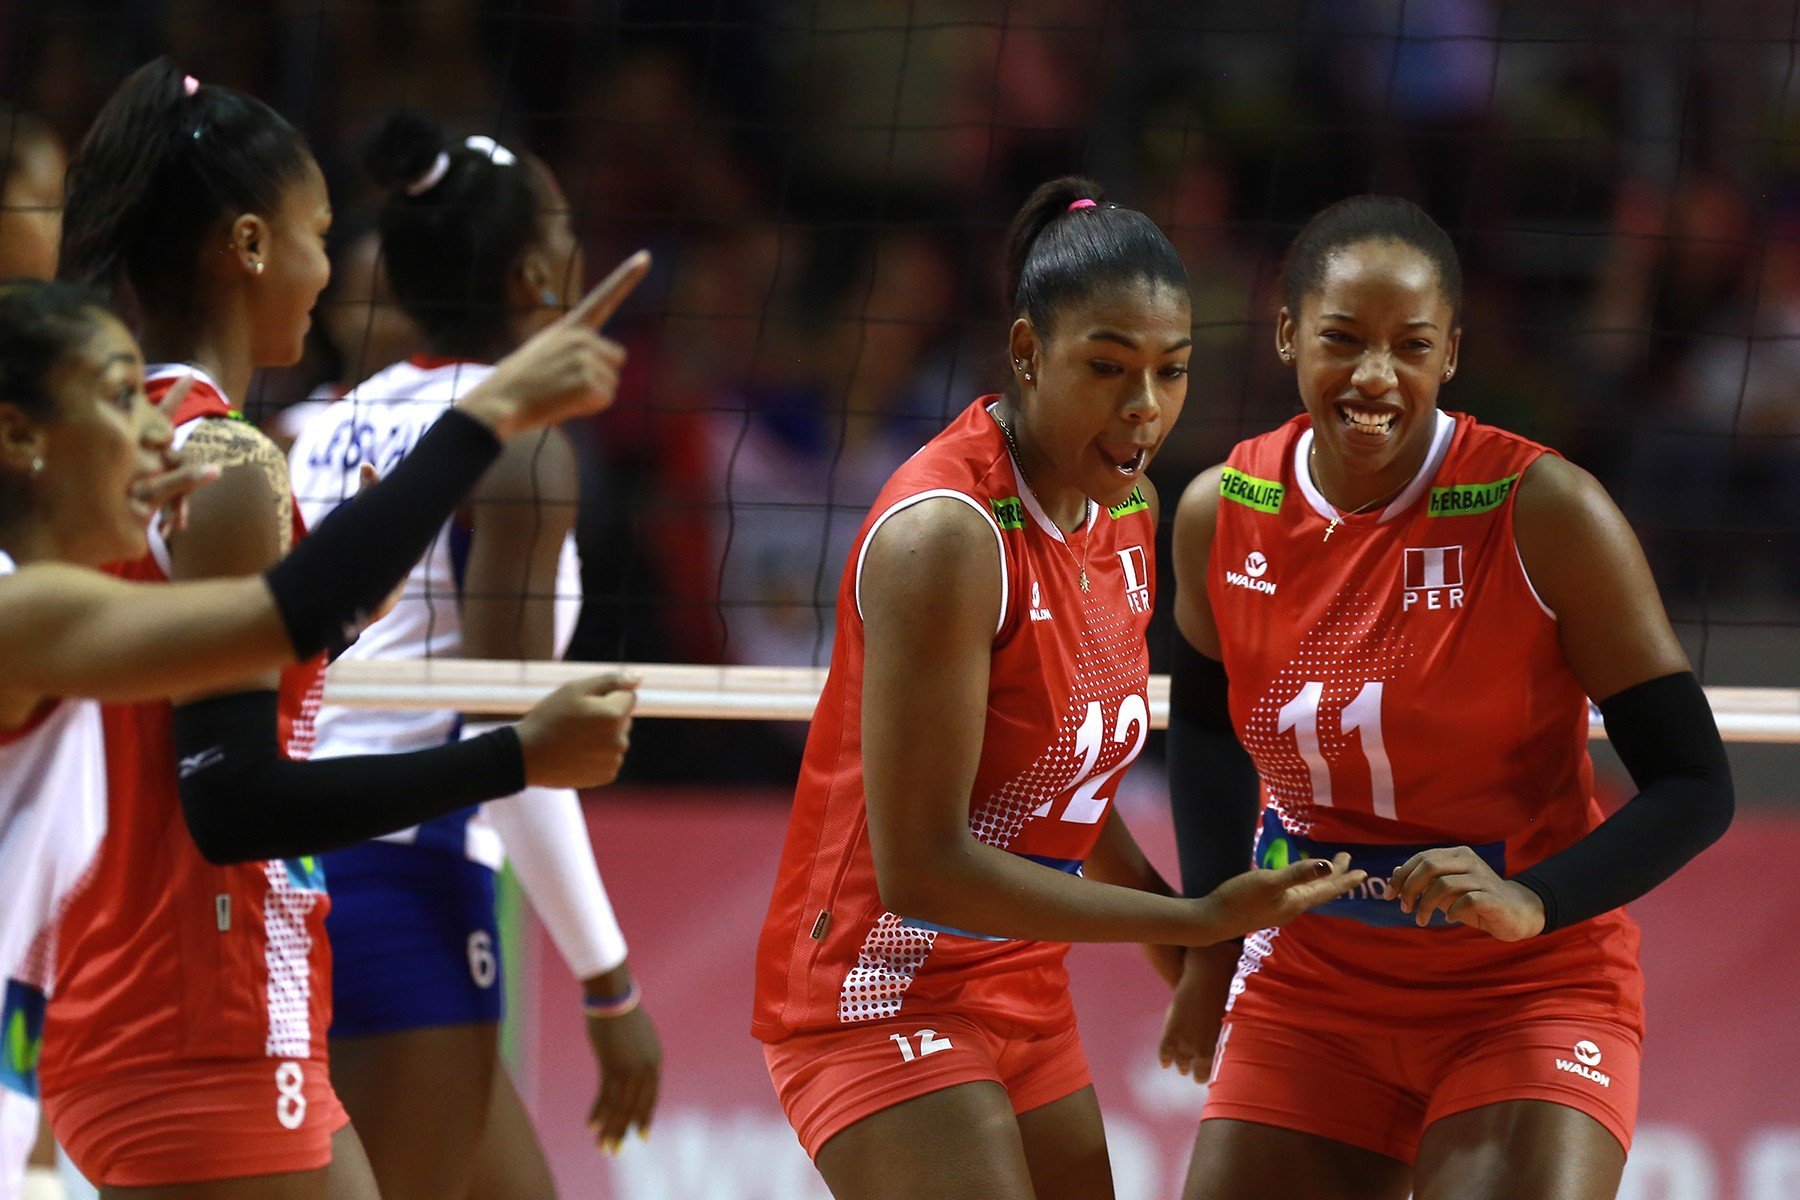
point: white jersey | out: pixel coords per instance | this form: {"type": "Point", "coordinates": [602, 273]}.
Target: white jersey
{"type": "Point", "coordinates": [378, 423]}
{"type": "Point", "coordinates": [52, 816]}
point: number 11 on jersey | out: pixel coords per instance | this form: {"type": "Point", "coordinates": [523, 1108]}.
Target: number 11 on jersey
{"type": "Point", "coordinates": [1362, 714]}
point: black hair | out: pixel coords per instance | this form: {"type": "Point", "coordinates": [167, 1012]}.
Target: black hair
{"type": "Point", "coordinates": [451, 243]}
{"type": "Point", "coordinates": [1056, 254]}
{"type": "Point", "coordinates": [159, 169]}
{"type": "Point", "coordinates": [41, 324]}
{"type": "Point", "coordinates": [1368, 219]}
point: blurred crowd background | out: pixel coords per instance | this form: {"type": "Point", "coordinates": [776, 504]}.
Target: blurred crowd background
{"type": "Point", "coordinates": [826, 185]}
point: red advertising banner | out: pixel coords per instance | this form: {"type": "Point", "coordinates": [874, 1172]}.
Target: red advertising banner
{"type": "Point", "coordinates": [690, 875]}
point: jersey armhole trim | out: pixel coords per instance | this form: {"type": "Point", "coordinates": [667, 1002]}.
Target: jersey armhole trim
{"type": "Point", "coordinates": [1512, 530]}
{"type": "Point", "coordinates": [934, 494]}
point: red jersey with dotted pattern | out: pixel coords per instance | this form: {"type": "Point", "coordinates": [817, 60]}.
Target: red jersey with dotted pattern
{"type": "Point", "coordinates": [1067, 712]}
{"type": "Point", "coordinates": [1400, 686]}
{"type": "Point", "coordinates": [165, 956]}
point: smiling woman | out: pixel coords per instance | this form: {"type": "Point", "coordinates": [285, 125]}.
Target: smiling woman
{"type": "Point", "coordinates": [1415, 693]}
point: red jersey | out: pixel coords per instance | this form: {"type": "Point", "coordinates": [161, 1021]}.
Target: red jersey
{"type": "Point", "coordinates": [1067, 712]}
{"type": "Point", "coordinates": [164, 955]}
{"type": "Point", "coordinates": [1400, 686]}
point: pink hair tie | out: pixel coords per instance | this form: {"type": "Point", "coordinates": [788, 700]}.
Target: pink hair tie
{"type": "Point", "coordinates": [1081, 204]}
{"type": "Point", "coordinates": [189, 84]}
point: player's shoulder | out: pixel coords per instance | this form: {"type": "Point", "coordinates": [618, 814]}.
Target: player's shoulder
{"type": "Point", "coordinates": [1554, 492]}
{"type": "Point", "coordinates": [969, 457]}
{"type": "Point", "coordinates": [231, 442]}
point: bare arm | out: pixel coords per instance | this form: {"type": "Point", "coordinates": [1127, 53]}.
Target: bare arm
{"type": "Point", "coordinates": [1196, 516]}
{"type": "Point", "coordinates": [523, 509]}
{"type": "Point", "coordinates": [70, 631]}
{"type": "Point", "coordinates": [238, 526]}
{"type": "Point", "coordinates": [1585, 562]}
{"type": "Point", "coordinates": [930, 601]}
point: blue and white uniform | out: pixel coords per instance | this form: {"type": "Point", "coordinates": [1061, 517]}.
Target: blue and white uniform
{"type": "Point", "coordinates": [412, 925]}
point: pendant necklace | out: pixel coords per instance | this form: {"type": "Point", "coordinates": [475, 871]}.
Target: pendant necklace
{"type": "Point", "coordinates": [1019, 462]}
{"type": "Point", "coordinates": [1311, 455]}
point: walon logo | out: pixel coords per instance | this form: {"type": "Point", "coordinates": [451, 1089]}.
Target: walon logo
{"type": "Point", "coordinates": [1255, 567]}
{"type": "Point", "coordinates": [1587, 1058]}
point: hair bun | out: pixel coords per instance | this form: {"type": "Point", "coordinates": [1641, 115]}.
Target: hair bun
{"type": "Point", "coordinates": [405, 149]}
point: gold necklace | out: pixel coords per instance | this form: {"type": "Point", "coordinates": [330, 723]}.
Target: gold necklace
{"type": "Point", "coordinates": [1019, 462]}
{"type": "Point", "coordinates": [1312, 454]}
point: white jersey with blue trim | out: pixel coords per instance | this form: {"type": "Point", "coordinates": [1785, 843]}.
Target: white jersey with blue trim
{"type": "Point", "coordinates": [378, 422]}
{"type": "Point", "coordinates": [52, 817]}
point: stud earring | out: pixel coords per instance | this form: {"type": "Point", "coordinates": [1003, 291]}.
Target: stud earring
{"type": "Point", "coordinates": [548, 298]}
{"type": "Point", "coordinates": [1287, 356]}
{"type": "Point", "coordinates": [256, 268]}
{"type": "Point", "coordinates": [1448, 374]}
{"type": "Point", "coordinates": [37, 466]}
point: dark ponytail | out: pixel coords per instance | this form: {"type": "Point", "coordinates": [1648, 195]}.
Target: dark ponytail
{"type": "Point", "coordinates": [460, 215]}
{"type": "Point", "coordinates": [1367, 219]}
{"type": "Point", "coordinates": [1057, 253]}
{"type": "Point", "coordinates": [158, 170]}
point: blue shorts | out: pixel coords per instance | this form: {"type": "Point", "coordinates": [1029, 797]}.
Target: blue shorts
{"type": "Point", "coordinates": [414, 940]}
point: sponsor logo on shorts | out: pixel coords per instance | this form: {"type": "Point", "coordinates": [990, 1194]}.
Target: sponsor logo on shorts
{"type": "Point", "coordinates": [1255, 567]}
{"type": "Point", "coordinates": [1587, 1058]}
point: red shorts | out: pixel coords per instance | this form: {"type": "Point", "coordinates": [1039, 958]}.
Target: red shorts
{"type": "Point", "coordinates": [1381, 1091]}
{"type": "Point", "coordinates": [193, 1122]}
{"type": "Point", "coordinates": [830, 1080]}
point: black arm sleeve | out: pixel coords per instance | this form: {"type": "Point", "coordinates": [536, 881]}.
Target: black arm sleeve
{"type": "Point", "coordinates": [1213, 788]}
{"type": "Point", "coordinates": [243, 801]}
{"type": "Point", "coordinates": [1664, 732]}
{"type": "Point", "coordinates": [326, 588]}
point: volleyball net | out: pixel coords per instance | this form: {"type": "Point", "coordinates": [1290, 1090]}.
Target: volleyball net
{"type": "Point", "coordinates": [748, 693]}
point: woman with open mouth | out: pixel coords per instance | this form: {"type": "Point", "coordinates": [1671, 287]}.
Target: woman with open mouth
{"type": "Point", "coordinates": [1390, 621]}
{"type": "Point", "coordinates": [953, 829]}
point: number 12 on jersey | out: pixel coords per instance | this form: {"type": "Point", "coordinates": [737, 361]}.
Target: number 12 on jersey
{"type": "Point", "coordinates": [1087, 805]}
{"type": "Point", "coordinates": [1362, 714]}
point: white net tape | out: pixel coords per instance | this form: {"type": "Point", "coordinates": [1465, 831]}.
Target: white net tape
{"type": "Point", "coordinates": [790, 693]}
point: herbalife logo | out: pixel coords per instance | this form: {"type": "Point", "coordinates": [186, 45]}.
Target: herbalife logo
{"type": "Point", "coordinates": [1587, 1058]}
{"type": "Point", "coordinates": [1255, 567]}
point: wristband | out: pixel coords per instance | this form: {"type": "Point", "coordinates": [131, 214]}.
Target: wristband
{"type": "Point", "coordinates": [612, 1006]}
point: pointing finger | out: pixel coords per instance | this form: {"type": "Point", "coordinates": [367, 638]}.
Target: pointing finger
{"type": "Point", "coordinates": [598, 305]}
{"type": "Point", "coordinates": [172, 399]}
